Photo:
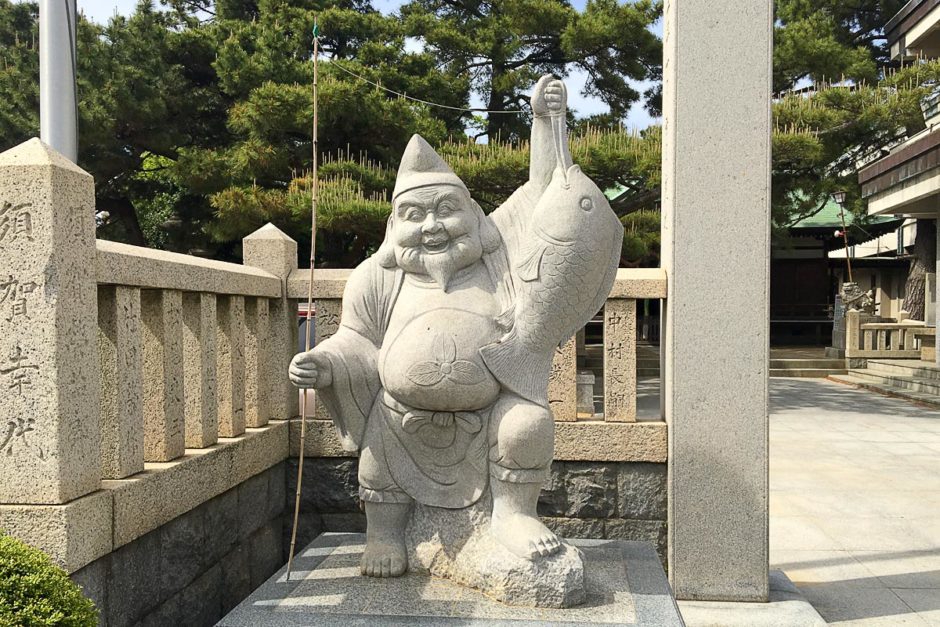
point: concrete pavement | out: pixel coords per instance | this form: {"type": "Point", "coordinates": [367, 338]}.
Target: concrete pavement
{"type": "Point", "coordinates": [855, 502]}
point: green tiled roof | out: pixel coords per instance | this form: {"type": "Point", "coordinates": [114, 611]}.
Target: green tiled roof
{"type": "Point", "coordinates": [829, 217]}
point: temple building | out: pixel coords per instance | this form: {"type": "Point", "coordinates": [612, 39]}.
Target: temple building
{"type": "Point", "coordinates": [906, 181]}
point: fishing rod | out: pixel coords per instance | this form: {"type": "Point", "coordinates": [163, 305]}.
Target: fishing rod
{"type": "Point", "coordinates": [309, 315]}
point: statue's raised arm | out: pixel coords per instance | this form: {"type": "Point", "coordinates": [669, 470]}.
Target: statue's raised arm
{"type": "Point", "coordinates": [563, 247]}
{"type": "Point", "coordinates": [548, 143]}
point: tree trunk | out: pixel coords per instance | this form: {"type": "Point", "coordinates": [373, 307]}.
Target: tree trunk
{"type": "Point", "coordinates": [923, 261]}
{"type": "Point", "coordinates": [123, 210]}
{"type": "Point", "coordinates": [495, 122]}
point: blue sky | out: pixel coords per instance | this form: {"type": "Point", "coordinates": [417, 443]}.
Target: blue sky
{"type": "Point", "coordinates": [102, 10]}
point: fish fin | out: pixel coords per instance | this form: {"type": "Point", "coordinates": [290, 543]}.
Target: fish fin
{"type": "Point", "coordinates": [506, 319]}
{"type": "Point", "coordinates": [531, 261]}
{"type": "Point", "coordinates": [519, 369]}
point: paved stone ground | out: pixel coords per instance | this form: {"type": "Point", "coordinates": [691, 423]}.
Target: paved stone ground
{"type": "Point", "coordinates": [855, 502]}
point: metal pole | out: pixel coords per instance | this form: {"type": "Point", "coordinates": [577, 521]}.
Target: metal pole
{"type": "Point", "coordinates": [845, 238]}
{"type": "Point", "coordinates": [58, 101]}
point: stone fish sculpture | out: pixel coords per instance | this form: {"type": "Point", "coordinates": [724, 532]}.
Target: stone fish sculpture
{"type": "Point", "coordinates": [438, 374]}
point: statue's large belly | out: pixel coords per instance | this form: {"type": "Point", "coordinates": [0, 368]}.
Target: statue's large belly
{"type": "Point", "coordinates": [433, 361]}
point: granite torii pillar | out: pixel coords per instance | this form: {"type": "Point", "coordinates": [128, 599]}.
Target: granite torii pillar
{"type": "Point", "coordinates": [716, 249]}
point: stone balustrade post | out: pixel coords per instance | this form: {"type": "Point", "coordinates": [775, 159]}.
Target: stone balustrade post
{"type": "Point", "coordinates": [257, 373]}
{"type": "Point", "coordinates": [199, 369]}
{"type": "Point", "coordinates": [620, 360]}
{"type": "Point", "coordinates": [49, 418]}
{"type": "Point", "coordinates": [563, 382]}
{"type": "Point", "coordinates": [230, 353]}
{"type": "Point", "coordinates": [716, 203]}
{"type": "Point", "coordinates": [271, 250]}
{"type": "Point", "coordinates": [164, 422]}
{"type": "Point", "coordinates": [120, 350]}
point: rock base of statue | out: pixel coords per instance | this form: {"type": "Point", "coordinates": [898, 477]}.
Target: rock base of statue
{"type": "Point", "coordinates": [456, 544]}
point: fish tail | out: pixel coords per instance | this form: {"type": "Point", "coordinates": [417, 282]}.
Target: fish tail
{"type": "Point", "coordinates": [519, 368]}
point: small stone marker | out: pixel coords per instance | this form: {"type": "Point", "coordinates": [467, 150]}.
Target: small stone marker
{"type": "Point", "coordinates": [49, 438]}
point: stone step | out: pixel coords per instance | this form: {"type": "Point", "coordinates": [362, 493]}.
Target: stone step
{"type": "Point", "coordinates": [931, 400]}
{"type": "Point", "coordinates": [830, 364]}
{"type": "Point", "coordinates": [818, 373]}
{"type": "Point", "coordinates": [916, 384]}
{"type": "Point", "coordinates": [895, 367]}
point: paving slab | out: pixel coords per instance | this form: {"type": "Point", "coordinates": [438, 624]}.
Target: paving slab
{"type": "Point", "coordinates": [787, 606]}
{"type": "Point", "coordinates": [625, 586]}
{"type": "Point", "coordinates": [855, 502]}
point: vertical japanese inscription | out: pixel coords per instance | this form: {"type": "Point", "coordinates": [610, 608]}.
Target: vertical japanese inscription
{"type": "Point", "coordinates": [620, 360]}
{"type": "Point", "coordinates": [18, 371]}
{"type": "Point", "coordinates": [16, 221]}
{"type": "Point", "coordinates": [18, 368]}
{"type": "Point", "coordinates": [15, 296]}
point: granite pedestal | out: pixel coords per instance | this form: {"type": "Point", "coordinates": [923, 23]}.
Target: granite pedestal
{"type": "Point", "coordinates": [625, 586]}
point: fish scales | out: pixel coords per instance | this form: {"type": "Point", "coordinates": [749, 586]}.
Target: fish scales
{"type": "Point", "coordinates": [561, 278]}
{"type": "Point", "coordinates": [554, 308]}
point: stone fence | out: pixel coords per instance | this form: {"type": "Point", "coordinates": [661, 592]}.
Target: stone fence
{"type": "Point", "coordinates": [148, 421]}
{"type": "Point", "coordinates": [866, 339]}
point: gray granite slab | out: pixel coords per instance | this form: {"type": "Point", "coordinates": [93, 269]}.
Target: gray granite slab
{"type": "Point", "coordinates": [625, 586]}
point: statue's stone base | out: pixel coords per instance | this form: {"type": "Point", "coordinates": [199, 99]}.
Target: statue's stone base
{"type": "Point", "coordinates": [456, 544]}
{"type": "Point", "coordinates": [624, 585]}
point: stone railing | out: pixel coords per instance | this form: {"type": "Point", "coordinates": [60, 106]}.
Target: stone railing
{"type": "Point", "coordinates": [614, 434]}
{"type": "Point", "coordinates": [880, 340]}
{"type": "Point", "coordinates": [182, 344]}
{"type": "Point", "coordinates": [135, 384]}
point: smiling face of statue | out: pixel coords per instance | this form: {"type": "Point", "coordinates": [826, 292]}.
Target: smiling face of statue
{"type": "Point", "coordinates": [436, 232]}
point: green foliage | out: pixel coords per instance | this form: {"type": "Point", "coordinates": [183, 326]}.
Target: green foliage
{"type": "Point", "coordinates": [198, 131]}
{"type": "Point", "coordinates": [819, 139]}
{"type": "Point", "coordinates": [19, 71]}
{"type": "Point", "coordinates": [36, 592]}
{"type": "Point", "coordinates": [505, 46]}
{"type": "Point", "coordinates": [641, 239]}
{"type": "Point", "coordinates": [828, 40]}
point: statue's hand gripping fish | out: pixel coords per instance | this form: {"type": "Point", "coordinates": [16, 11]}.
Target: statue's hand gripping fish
{"type": "Point", "coordinates": [565, 273]}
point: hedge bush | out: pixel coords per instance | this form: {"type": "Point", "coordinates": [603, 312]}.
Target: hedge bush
{"type": "Point", "coordinates": [36, 592]}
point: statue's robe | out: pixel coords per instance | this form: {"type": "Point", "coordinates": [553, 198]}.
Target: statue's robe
{"type": "Point", "coordinates": [359, 404]}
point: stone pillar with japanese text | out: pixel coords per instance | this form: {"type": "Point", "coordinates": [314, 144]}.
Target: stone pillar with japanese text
{"type": "Point", "coordinates": [49, 438]}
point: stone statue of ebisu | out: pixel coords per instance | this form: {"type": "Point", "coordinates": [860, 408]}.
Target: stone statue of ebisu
{"type": "Point", "coordinates": [438, 375]}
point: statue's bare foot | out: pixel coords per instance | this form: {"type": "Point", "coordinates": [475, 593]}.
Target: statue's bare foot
{"type": "Point", "coordinates": [384, 558]}
{"type": "Point", "coordinates": [385, 554]}
{"type": "Point", "coordinates": [524, 535]}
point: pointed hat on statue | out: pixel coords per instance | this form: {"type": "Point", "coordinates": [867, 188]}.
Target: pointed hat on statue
{"type": "Point", "coordinates": [422, 166]}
